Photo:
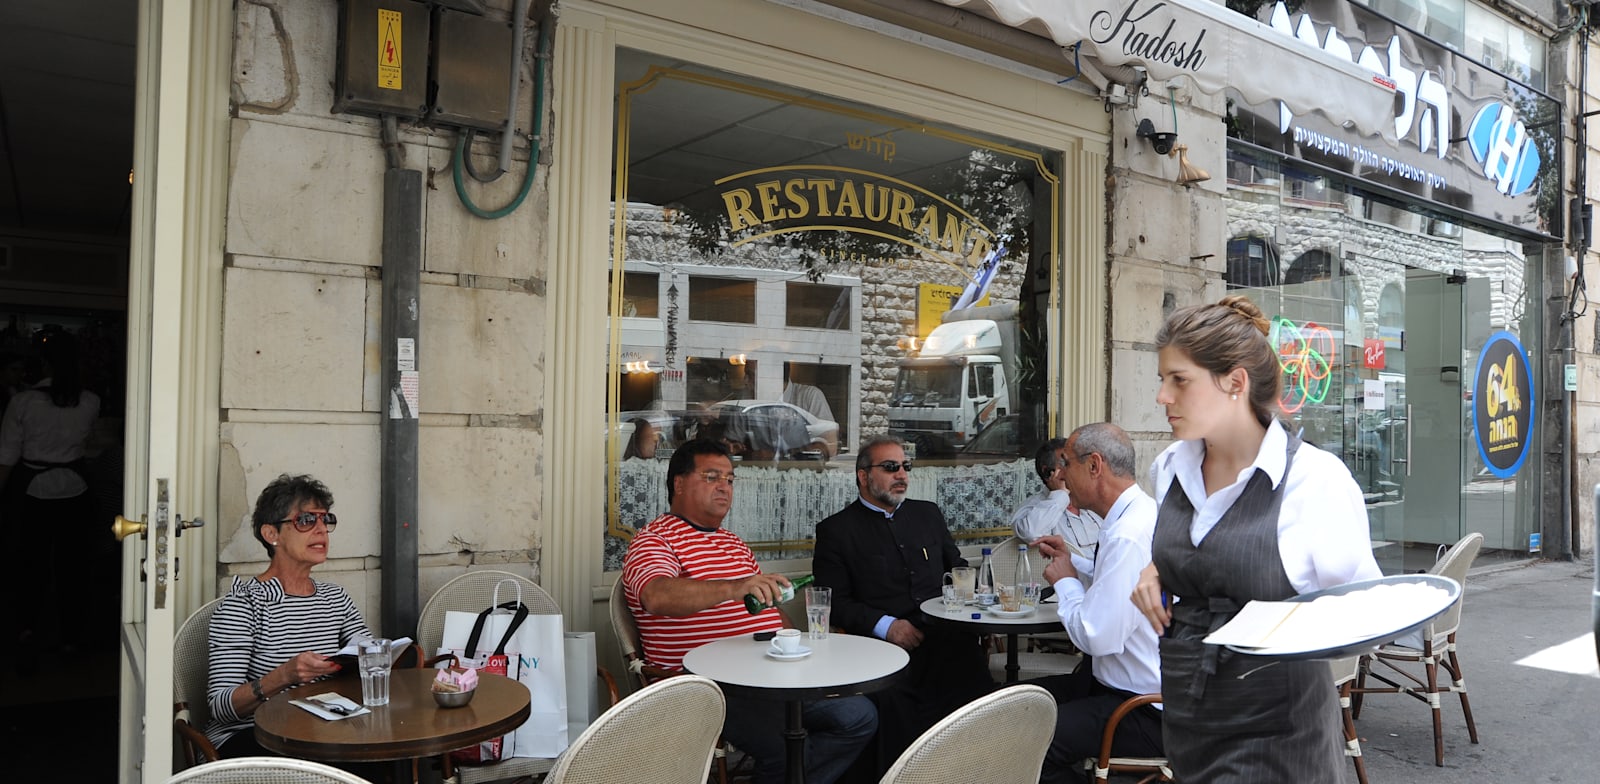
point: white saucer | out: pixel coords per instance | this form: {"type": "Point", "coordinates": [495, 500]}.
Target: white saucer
{"type": "Point", "coordinates": [999, 613]}
{"type": "Point", "coordinates": [796, 656]}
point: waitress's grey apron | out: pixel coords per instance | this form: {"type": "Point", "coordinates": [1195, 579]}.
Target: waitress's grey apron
{"type": "Point", "coordinates": [1228, 718]}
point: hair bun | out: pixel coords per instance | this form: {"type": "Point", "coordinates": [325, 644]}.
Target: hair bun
{"type": "Point", "coordinates": [1240, 304]}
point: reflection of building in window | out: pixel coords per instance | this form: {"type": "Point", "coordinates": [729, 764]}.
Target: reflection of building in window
{"type": "Point", "coordinates": [1252, 263]}
{"type": "Point", "coordinates": [1313, 265]}
{"type": "Point", "coordinates": [722, 299]}
{"type": "Point", "coordinates": [713, 379]}
{"type": "Point", "coordinates": [641, 295]}
{"type": "Point", "coordinates": [817, 305]}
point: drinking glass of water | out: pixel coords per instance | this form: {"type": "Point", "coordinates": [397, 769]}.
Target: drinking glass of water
{"type": "Point", "coordinates": [375, 663]}
{"type": "Point", "coordinates": [819, 604]}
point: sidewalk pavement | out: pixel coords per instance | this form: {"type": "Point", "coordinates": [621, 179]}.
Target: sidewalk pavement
{"type": "Point", "coordinates": [1535, 723]}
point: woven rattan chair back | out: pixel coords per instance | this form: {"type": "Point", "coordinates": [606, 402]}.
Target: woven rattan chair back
{"type": "Point", "coordinates": [265, 770]}
{"type": "Point", "coordinates": [999, 738]}
{"type": "Point", "coordinates": [191, 671]}
{"type": "Point", "coordinates": [664, 734]}
{"type": "Point", "coordinates": [1454, 565]}
{"type": "Point", "coordinates": [626, 631]}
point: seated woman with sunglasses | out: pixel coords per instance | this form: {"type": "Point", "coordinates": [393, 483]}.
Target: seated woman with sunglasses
{"type": "Point", "coordinates": [278, 629]}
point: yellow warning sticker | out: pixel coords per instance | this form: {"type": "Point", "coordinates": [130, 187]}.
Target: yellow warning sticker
{"type": "Point", "coordinates": [388, 49]}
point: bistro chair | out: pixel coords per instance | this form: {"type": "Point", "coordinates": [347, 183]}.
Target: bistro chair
{"type": "Point", "coordinates": [265, 770]}
{"type": "Point", "coordinates": [1103, 766]}
{"type": "Point", "coordinates": [191, 670]}
{"type": "Point", "coordinates": [664, 733]}
{"type": "Point", "coordinates": [472, 592]}
{"type": "Point", "coordinates": [1438, 651]}
{"type": "Point", "coordinates": [999, 738]}
{"type": "Point", "coordinates": [644, 674]}
{"type": "Point", "coordinates": [1344, 678]}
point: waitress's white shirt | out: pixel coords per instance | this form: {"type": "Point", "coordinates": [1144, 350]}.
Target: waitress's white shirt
{"type": "Point", "coordinates": [1323, 534]}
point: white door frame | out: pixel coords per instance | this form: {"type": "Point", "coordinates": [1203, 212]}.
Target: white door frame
{"type": "Point", "coordinates": [174, 304]}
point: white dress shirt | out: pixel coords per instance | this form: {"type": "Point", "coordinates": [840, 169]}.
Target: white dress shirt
{"type": "Point", "coordinates": [35, 429]}
{"type": "Point", "coordinates": [1046, 513]}
{"type": "Point", "coordinates": [1323, 535]}
{"type": "Point", "coordinates": [1101, 620]}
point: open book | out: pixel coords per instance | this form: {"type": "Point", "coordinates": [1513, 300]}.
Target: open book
{"type": "Point", "coordinates": [354, 648]}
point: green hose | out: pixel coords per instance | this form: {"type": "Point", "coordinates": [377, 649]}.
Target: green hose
{"type": "Point", "coordinates": [459, 163]}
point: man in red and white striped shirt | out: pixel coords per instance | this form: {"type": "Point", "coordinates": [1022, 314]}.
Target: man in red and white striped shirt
{"type": "Point", "coordinates": [685, 579]}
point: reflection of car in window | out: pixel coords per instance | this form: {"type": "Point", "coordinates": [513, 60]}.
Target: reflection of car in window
{"type": "Point", "coordinates": [1002, 440]}
{"type": "Point", "coordinates": [773, 430]}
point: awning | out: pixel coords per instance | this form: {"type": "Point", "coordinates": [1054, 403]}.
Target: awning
{"type": "Point", "coordinates": [1213, 47]}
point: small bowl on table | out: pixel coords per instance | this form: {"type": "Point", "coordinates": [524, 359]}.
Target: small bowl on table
{"type": "Point", "coordinates": [453, 699]}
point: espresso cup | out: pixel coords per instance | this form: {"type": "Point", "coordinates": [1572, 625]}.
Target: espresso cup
{"type": "Point", "coordinates": [787, 642]}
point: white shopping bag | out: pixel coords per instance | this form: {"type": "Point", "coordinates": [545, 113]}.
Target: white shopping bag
{"type": "Point", "coordinates": [583, 684]}
{"type": "Point", "coordinates": [533, 647]}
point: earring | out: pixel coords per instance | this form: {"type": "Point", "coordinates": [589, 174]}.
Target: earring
{"type": "Point", "coordinates": [1235, 396]}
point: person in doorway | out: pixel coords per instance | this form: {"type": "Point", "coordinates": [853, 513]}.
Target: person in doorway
{"type": "Point", "coordinates": [1053, 511]}
{"type": "Point", "coordinates": [884, 555]}
{"type": "Point", "coordinates": [685, 578]}
{"type": "Point", "coordinates": [642, 444]}
{"type": "Point", "coordinates": [280, 628]}
{"type": "Point", "coordinates": [45, 488]}
{"type": "Point", "coordinates": [1246, 511]}
{"type": "Point", "coordinates": [1102, 623]}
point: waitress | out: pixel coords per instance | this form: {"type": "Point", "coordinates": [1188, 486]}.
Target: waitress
{"type": "Point", "coordinates": [1247, 511]}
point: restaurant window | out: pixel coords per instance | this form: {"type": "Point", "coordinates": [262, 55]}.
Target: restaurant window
{"type": "Point", "coordinates": [818, 306]}
{"type": "Point", "coordinates": [829, 272]}
{"type": "Point", "coordinates": [641, 295]}
{"type": "Point", "coordinates": [722, 299]}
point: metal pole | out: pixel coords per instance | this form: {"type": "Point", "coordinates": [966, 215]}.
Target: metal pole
{"type": "Point", "coordinates": [397, 495]}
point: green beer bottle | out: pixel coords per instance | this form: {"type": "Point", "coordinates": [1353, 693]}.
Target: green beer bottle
{"type": "Point", "coordinates": [755, 605]}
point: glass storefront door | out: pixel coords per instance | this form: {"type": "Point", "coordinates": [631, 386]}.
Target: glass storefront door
{"type": "Point", "coordinates": [1403, 343]}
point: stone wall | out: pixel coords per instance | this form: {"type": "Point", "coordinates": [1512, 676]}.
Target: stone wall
{"type": "Point", "coordinates": [301, 327]}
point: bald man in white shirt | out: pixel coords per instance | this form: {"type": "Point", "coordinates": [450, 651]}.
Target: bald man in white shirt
{"type": "Point", "coordinates": [1121, 645]}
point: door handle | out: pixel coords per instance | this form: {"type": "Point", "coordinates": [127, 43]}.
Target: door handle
{"type": "Point", "coordinates": [122, 527]}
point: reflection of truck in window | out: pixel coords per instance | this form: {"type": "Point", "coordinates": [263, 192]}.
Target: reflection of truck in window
{"type": "Point", "coordinates": [959, 382]}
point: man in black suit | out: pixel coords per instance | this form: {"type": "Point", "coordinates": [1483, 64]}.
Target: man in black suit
{"type": "Point", "coordinates": [883, 556]}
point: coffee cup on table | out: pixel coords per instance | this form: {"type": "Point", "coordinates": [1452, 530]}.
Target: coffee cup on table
{"type": "Point", "coordinates": [787, 642]}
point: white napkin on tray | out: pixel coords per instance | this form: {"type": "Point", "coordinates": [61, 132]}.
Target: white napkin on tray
{"type": "Point", "coordinates": [318, 705]}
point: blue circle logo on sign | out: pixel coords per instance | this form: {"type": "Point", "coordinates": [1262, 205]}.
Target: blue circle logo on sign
{"type": "Point", "coordinates": [1503, 405]}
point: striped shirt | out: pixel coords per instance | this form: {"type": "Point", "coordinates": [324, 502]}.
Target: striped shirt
{"type": "Point", "coordinates": [671, 547]}
{"type": "Point", "coordinates": [257, 627]}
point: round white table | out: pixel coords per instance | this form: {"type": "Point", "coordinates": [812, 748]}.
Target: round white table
{"type": "Point", "coordinates": [842, 665]}
{"type": "Point", "coordinates": [972, 618]}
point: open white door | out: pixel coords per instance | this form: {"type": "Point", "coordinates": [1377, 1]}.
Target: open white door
{"type": "Point", "coordinates": [179, 164]}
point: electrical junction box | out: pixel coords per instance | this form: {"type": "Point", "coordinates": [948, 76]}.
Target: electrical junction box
{"type": "Point", "coordinates": [471, 70]}
{"type": "Point", "coordinates": [383, 58]}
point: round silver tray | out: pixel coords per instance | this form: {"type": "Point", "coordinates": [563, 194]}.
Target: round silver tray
{"type": "Point", "coordinates": [1370, 643]}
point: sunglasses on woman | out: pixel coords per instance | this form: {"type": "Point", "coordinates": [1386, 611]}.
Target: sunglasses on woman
{"type": "Point", "coordinates": [305, 521]}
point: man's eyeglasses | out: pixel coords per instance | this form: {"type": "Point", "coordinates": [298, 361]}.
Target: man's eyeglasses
{"type": "Point", "coordinates": [305, 521]}
{"type": "Point", "coordinates": [891, 466]}
{"type": "Point", "coordinates": [713, 477]}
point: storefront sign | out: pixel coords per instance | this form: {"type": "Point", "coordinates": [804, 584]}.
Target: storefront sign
{"type": "Point", "coordinates": [791, 199]}
{"type": "Point", "coordinates": [1503, 405]}
{"type": "Point", "coordinates": [933, 301]}
{"type": "Point", "coordinates": [1305, 355]}
{"type": "Point", "coordinates": [1374, 394]}
{"type": "Point", "coordinates": [1372, 354]}
{"type": "Point", "coordinates": [1468, 137]}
